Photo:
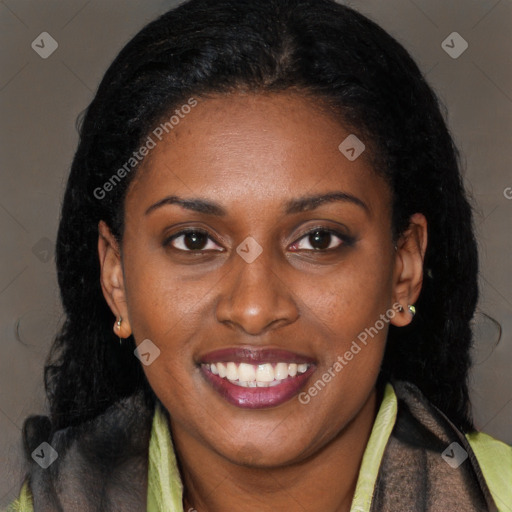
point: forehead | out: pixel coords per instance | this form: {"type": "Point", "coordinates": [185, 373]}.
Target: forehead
{"type": "Point", "coordinates": [253, 147]}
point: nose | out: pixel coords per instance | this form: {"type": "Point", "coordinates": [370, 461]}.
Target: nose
{"type": "Point", "coordinates": [255, 298]}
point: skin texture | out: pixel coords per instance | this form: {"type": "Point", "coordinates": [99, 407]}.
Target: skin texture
{"type": "Point", "coordinates": [251, 154]}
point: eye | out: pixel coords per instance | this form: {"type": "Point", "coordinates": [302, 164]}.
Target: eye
{"type": "Point", "coordinates": [192, 240]}
{"type": "Point", "coordinates": [321, 239]}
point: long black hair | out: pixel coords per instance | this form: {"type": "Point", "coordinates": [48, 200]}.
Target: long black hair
{"type": "Point", "coordinates": [343, 61]}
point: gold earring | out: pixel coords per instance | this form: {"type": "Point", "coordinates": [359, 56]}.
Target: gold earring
{"type": "Point", "coordinates": [118, 326]}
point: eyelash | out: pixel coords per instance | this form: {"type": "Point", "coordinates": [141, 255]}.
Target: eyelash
{"type": "Point", "coordinates": [345, 239]}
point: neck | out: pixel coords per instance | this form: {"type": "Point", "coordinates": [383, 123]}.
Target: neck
{"type": "Point", "coordinates": [324, 481]}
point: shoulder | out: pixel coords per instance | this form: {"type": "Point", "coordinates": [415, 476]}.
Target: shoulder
{"type": "Point", "coordinates": [103, 460]}
{"type": "Point", "coordinates": [495, 460]}
{"type": "Point", "coordinates": [420, 425]}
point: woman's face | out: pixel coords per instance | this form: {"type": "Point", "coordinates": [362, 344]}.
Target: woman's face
{"type": "Point", "coordinates": [288, 261]}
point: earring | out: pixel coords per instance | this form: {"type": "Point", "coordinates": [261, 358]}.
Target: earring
{"type": "Point", "coordinates": [410, 307]}
{"type": "Point", "coordinates": [118, 327]}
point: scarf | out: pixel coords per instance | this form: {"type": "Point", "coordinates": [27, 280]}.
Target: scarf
{"type": "Point", "coordinates": [415, 461]}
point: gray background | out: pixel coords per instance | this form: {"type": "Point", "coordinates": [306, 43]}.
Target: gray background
{"type": "Point", "coordinates": [41, 98]}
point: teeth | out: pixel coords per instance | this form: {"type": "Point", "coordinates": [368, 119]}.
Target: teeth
{"type": "Point", "coordinates": [264, 373]}
{"type": "Point", "coordinates": [246, 372]}
{"type": "Point", "coordinates": [301, 368]}
{"type": "Point", "coordinates": [281, 371]}
{"type": "Point", "coordinates": [261, 375]}
{"type": "Point", "coordinates": [231, 372]}
{"type": "Point", "coordinates": [222, 369]}
{"type": "Point", "coordinates": [254, 384]}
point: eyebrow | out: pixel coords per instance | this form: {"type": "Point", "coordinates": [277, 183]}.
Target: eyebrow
{"type": "Point", "coordinates": [298, 205]}
{"type": "Point", "coordinates": [311, 202]}
{"type": "Point", "coordinates": [196, 205]}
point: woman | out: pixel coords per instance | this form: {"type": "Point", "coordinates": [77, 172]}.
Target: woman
{"type": "Point", "coordinates": [268, 267]}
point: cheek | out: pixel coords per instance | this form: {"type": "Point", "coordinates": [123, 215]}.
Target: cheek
{"type": "Point", "coordinates": [165, 310]}
{"type": "Point", "coordinates": [351, 312]}
{"type": "Point", "coordinates": [352, 297]}
{"type": "Point", "coordinates": [160, 302]}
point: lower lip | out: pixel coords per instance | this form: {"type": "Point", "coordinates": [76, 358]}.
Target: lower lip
{"type": "Point", "coordinates": [257, 398]}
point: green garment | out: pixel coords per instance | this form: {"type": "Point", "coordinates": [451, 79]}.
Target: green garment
{"type": "Point", "coordinates": [165, 487]}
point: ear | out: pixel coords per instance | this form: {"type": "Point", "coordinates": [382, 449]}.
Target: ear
{"type": "Point", "coordinates": [408, 271]}
{"type": "Point", "coordinates": [112, 279]}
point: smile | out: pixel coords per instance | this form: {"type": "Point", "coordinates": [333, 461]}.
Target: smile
{"type": "Point", "coordinates": [261, 375]}
{"type": "Point", "coordinates": [256, 378]}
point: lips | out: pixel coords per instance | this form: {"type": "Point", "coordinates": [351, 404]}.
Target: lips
{"type": "Point", "coordinates": [256, 378]}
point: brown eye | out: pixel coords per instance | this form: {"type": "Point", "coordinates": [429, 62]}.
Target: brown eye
{"type": "Point", "coordinates": [321, 240]}
{"type": "Point", "coordinates": [192, 240]}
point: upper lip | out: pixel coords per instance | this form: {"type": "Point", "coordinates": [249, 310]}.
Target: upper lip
{"type": "Point", "coordinates": [254, 355]}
